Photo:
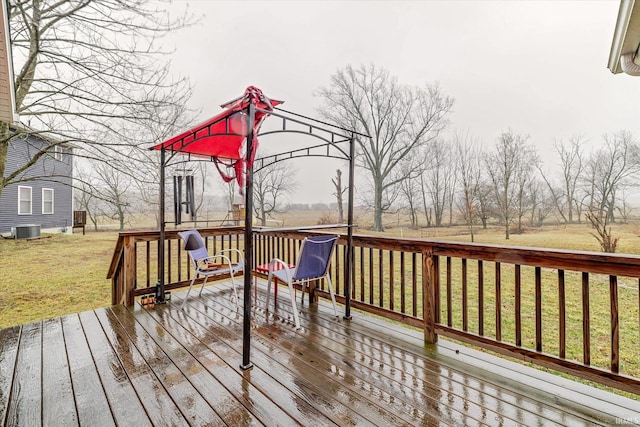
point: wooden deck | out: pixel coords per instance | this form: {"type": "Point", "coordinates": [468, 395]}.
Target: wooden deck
{"type": "Point", "coordinates": [163, 366]}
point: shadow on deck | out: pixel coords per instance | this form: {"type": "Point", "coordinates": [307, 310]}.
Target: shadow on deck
{"type": "Point", "coordinates": [164, 366]}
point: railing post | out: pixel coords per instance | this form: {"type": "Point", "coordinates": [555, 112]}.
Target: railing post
{"type": "Point", "coordinates": [130, 269]}
{"type": "Point", "coordinates": [429, 283]}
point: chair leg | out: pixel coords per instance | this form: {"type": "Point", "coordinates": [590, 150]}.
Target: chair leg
{"type": "Point", "coordinates": [235, 291]}
{"type": "Point", "coordinates": [268, 290]}
{"type": "Point", "coordinates": [187, 296]}
{"type": "Point", "coordinates": [333, 297]}
{"type": "Point", "coordinates": [204, 282]}
{"type": "Point", "coordinates": [295, 306]}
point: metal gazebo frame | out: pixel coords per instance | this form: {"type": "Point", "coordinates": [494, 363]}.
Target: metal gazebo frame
{"type": "Point", "coordinates": [329, 135]}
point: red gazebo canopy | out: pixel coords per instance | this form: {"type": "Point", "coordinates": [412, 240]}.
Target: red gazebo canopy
{"type": "Point", "coordinates": [223, 137]}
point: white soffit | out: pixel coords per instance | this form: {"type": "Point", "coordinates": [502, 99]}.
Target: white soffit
{"type": "Point", "coordinates": [7, 94]}
{"type": "Point", "coordinates": [626, 38]}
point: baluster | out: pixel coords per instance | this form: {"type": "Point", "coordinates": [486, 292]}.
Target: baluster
{"type": "Point", "coordinates": [430, 284]}
{"type": "Point", "coordinates": [480, 298]}
{"type": "Point", "coordinates": [370, 275]}
{"type": "Point", "coordinates": [380, 277]}
{"type": "Point", "coordinates": [538, 295]}
{"type": "Point", "coordinates": [336, 270]}
{"type": "Point", "coordinates": [362, 273]}
{"type": "Point", "coordinates": [586, 320]}
{"type": "Point", "coordinates": [562, 302]}
{"type": "Point", "coordinates": [403, 308]}
{"type": "Point", "coordinates": [615, 326]}
{"type": "Point", "coordinates": [391, 284]}
{"type": "Point", "coordinates": [436, 285]}
{"type": "Point", "coordinates": [180, 262]}
{"type": "Point", "coordinates": [169, 260]}
{"type": "Point", "coordinates": [518, 282]}
{"type": "Point", "coordinates": [498, 307]}
{"type": "Point", "coordinates": [449, 291]}
{"type": "Point", "coordinates": [465, 308]}
{"type": "Point", "coordinates": [414, 281]}
{"type": "Point", "coordinates": [148, 261]}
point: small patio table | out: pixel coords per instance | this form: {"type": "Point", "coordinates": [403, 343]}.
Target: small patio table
{"type": "Point", "coordinates": [264, 268]}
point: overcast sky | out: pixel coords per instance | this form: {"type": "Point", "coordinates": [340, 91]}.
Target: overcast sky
{"type": "Point", "coordinates": [539, 68]}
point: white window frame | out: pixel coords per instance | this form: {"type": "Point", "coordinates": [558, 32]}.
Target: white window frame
{"type": "Point", "coordinates": [57, 153]}
{"type": "Point", "coordinates": [46, 190]}
{"type": "Point", "coordinates": [20, 200]}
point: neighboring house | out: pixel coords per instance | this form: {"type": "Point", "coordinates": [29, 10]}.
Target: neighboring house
{"type": "Point", "coordinates": [625, 48]}
{"type": "Point", "coordinates": [45, 195]}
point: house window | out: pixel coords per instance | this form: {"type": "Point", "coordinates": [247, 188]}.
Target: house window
{"type": "Point", "coordinates": [24, 200]}
{"type": "Point", "coordinates": [57, 152]}
{"type": "Point", "coordinates": [47, 201]}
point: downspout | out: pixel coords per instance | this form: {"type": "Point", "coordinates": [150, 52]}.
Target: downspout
{"type": "Point", "coordinates": [628, 66]}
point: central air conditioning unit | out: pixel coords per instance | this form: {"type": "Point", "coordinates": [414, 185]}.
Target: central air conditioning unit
{"type": "Point", "coordinates": [28, 231]}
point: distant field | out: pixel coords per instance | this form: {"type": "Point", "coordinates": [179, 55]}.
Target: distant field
{"type": "Point", "coordinates": [64, 274]}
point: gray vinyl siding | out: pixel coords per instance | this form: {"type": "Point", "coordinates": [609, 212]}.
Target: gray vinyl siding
{"type": "Point", "coordinates": [61, 176]}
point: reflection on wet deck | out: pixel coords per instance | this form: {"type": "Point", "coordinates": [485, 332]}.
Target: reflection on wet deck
{"type": "Point", "coordinates": [163, 366]}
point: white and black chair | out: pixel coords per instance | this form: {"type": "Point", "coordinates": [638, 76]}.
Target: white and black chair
{"type": "Point", "coordinates": [200, 258]}
{"type": "Point", "coordinates": [313, 263]}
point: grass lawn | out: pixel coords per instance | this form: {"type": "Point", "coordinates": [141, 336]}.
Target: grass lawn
{"type": "Point", "coordinates": [54, 276]}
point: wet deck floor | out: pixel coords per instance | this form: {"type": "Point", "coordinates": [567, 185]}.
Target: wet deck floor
{"type": "Point", "coordinates": [165, 366]}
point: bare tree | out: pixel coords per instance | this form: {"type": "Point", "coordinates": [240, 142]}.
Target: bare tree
{"type": "Point", "coordinates": [339, 193]}
{"type": "Point", "coordinates": [270, 185]}
{"type": "Point", "coordinates": [231, 192]}
{"type": "Point", "coordinates": [525, 185]}
{"type": "Point", "coordinates": [486, 203]}
{"type": "Point", "coordinates": [542, 202]}
{"type": "Point", "coordinates": [144, 165]}
{"type": "Point", "coordinates": [565, 196]}
{"type": "Point", "coordinates": [510, 169]}
{"type": "Point", "coordinates": [439, 178]}
{"type": "Point", "coordinates": [624, 208]}
{"type": "Point", "coordinates": [84, 196]}
{"type": "Point", "coordinates": [400, 120]}
{"type": "Point", "coordinates": [114, 189]}
{"type": "Point", "coordinates": [88, 71]}
{"type": "Point", "coordinates": [469, 170]}
{"type": "Point", "coordinates": [426, 207]}
{"type": "Point", "coordinates": [609, 170]}
{"type": "Point", "coordinates": [410, 188]}
{"type": "Point", "coordinates": [604, 236]}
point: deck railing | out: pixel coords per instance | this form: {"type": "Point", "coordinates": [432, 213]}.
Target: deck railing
{"type": "Point", "coordinates": [574, 312]}
{"type": "Point", "coordinates": [134, 265]}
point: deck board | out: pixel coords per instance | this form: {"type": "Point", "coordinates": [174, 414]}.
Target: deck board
{"type": "Point", "coordinates": [9, 341]}
{"type": "Point", "coordinates": [166, 366]}
{"type": "Point", "coordinates": [153, 378]}
{"type": "Point", "coordinates": [413, 379]}
{"type": "Point", "coordinates": [336, 377]}
{"type": "Point", "coordinates": [58, 402]}
{"type": "Point", "coordinates": [232, 332]}
{"type": "Point", "coordinates": [90, 398]}
{"type": "Point", "coordinates": [423, 379]}
{"type": "Point", "coordinates": [25, 406]}
{"type": "Point", "coordinates": [218, 397]}
{"type": "Point", "coordinates": [126, 407]}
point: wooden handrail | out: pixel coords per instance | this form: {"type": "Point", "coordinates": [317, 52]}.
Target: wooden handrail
{"type": "Point", "coordinates": [503, 298]}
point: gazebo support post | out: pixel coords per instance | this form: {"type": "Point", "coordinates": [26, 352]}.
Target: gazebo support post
{"type": "Point", "coordinates": [248, 246]}
{"type": "Point", "coordinates": [160, 284]}
{"type": "Point", "coordinates": [349, 278]}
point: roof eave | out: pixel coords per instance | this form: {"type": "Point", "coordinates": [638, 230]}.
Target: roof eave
{"type": "Point", "coordinates": [626, 37]}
